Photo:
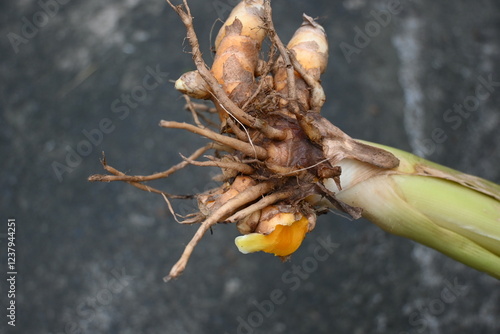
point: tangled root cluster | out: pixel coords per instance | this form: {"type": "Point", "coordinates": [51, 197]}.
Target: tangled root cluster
{"type": "Point", "coordinates": [274, 148]}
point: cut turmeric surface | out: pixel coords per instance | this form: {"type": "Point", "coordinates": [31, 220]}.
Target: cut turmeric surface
{"type": "Point", "coordinates": [285, 239]}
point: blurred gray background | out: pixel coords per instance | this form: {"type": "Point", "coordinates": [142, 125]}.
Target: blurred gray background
{"type": "Point", "coordinates": [91, 256]}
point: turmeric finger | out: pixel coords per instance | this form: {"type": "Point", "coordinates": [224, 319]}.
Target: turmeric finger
{"type": "Point", "coordinates": [237, 52]}
{"type": "Point", "coordinates": [192, 84]}
{"type": "Point", "coordinates": [310, 48]}
{"type": "Point", "coordinates": [250, 12]}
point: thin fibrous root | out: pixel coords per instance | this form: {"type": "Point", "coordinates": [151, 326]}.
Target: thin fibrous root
{"type": "Point", "coordinates": [264, 202]}
{"type": "Point", "coordinates": [203, 108]}
{"type": "Point", "coordinates": [170, 208]}
{"type": "Point", "coordinates": [246, 148]}
{"type": "Point", "coordinates": [237, 166]}
{"type": "Point", "coordinates": [194, 113]}
{"type": "Point", "coordinates": [228, 208]}
{"type": "Point", "coordinates": [138, 185]}
{"type": "Point", "coordinates": [318, 97]}
{"type": "Point", "coordinates": [292, 92]}
{"type": "Point", "coordinates": [119, 176]}
{"type": "Point", "coordinates": [197, 111]}
{"type": "Point", "coordinates": [240, 134]}
{"type": "Point", "coordinates": [193, 217]}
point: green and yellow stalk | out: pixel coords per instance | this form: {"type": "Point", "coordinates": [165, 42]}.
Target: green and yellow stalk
{"type": "Point", "coordinates": [452, 212]}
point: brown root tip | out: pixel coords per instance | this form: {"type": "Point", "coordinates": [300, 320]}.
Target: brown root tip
{"type": "Point", "coordinates": [96, 178]}
{"type": "Point", "coordinates": [168, 278]}
{"type": "Point", "coordinates": [307, 20]}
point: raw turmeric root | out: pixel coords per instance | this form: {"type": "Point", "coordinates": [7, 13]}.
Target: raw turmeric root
{"type": "Point", "coordinates": [273, 154]}
{"type": "Point", "coordinates": [280, 159]}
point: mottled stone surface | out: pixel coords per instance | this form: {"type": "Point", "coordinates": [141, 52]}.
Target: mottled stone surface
{"type": "Point", "coordinates": [91, 256]}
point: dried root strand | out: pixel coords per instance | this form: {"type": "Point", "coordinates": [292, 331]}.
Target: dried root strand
{"type": "Point", "coordinates": [243, 198]}
{"type": "Point", "coordinates": [290, 76]}
{"type": "Point", "coordinates": [232, 165]}
{"type": "Point", "coordinates": [196, 110]}
{"type": "Point", "coordinates": [246, 148]}
{"type": "Point", "coordinates": [264, 202]}
{"type": "Point", "coordinates": [242, 135]}
{"type": "Point", "coordinates": [119, 176]}
{"type": "Point", "coordinates": [138, 185]}
{"type": "Point", "coordinates": [136, 180]}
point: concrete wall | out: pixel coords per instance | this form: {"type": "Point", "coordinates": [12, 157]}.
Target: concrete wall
{"type": "Point", "coordinates": [90, 257]}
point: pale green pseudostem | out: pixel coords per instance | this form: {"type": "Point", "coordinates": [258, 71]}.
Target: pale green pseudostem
{"type": "Point", "coordinates": [452, 212]}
